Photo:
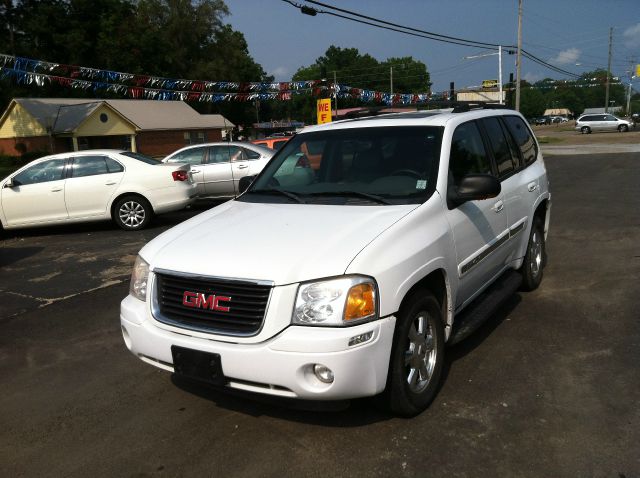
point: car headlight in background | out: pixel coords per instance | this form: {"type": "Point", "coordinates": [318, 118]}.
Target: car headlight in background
{"type": "Point", "coordinates": [139, 279]}
{"type": "Point", "coordinates": [336, 302]}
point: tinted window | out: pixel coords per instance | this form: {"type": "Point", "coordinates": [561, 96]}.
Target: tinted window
{"type": "Point", "coordinates": [468, 155]}
{"type": "Point", "coordinates": [224, 154]}
{"type": "Point", "coordinates": [45, 171]}
{"type": "Point", "coordinates": [501, 151]}
{"type": "Point", "coordinates": [251, 154]}
{"type": "Point", "coordinates": [191, 156]}
{"type": "Point", "coordinates": [89, 166]}
{"type": "Point", "coordinates": [523, 138]}
{"type": "Point", "coordinates": [609, 118]}
{"type": "Point", "coordinates": [114, 166]}
{"type": "Point", "coordinates": [140, 157]}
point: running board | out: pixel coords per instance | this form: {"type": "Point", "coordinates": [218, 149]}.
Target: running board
{"type": "Point", "coordinates": [483, 307]}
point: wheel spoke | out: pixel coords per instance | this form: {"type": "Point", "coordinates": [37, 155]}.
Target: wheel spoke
{"type": "Point", "coordinates": [412, 378]}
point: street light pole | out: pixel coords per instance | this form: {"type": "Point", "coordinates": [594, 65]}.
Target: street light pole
{"type": "Point", "coordinates": [499, 53]}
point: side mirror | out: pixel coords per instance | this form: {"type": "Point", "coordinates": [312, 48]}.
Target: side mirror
{"type": "Point", "coordinates": [244, 183]}
{"type": "Point", "coordinates": [9, 183]}
{"type": "Point", "coordinates": [474, 187]}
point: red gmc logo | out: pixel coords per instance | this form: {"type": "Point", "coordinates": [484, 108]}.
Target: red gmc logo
{"type": "Point", "coordinates": [201, 301]}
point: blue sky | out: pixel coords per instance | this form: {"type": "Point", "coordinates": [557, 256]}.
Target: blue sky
{"type": "Point", "coordinates": [571, 34]}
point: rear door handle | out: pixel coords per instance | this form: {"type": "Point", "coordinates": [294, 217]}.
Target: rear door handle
{"type": "Point", "coordinates": [56, 189]}
{"type": "Point", "coordinates": [194, 171]}
{"type": "Point", "coordinates": [243, 166]}
{"type": "Point", "coordinates": [110, 183]}
{"type": "Point", "coordinates": [532, 186]}
{"type": "Point", "coordinates": [499, 206]}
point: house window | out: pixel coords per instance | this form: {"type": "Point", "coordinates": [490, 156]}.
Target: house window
{"type": "Point", "coordinates": [195, 137]}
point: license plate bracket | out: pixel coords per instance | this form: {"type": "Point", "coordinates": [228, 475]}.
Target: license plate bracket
{"type": "Point", "coordinates": [198, 365]}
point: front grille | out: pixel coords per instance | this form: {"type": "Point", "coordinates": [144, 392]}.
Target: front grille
{"type": "Point", "coordinates": [247, 306]}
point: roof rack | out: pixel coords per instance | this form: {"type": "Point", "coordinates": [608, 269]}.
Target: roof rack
{"type": "Point", "coordinates": [468, 106]}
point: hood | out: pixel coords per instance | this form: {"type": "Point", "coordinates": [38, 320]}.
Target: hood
{"type": "Point", "coordinates": [283, 243]}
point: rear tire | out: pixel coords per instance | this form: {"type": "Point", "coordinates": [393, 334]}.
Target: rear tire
{"type": "Point", "coordinates": [585, 130]}
{"type": "Point", "coordinates": [132, 213]}
{"type": "Point", "coordinates": [535, 258]}
{"type": "Point", "coordinates": [417, 356]}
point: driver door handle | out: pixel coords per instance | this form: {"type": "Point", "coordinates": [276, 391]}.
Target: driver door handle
{"type": "Point", "coordinates": [532, 186]}
{"type": "Point", "coordinates": [243, 166]}
{"type": "Point", "coordinates": [110, 183]}
{"type": "Point", "coordinates": [498, 207]}
{"type": "Point", "coordinates": [56, 189]}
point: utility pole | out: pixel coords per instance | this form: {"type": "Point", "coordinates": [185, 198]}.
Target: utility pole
{"type": "Point", "coordinates": [391, 84]}
{"type": "Point", "coordinates": [335, 93]}
{"type": "Point", "coordinates": [519, 56]}
{"type": "Point", "coordinates": [606, 96]}
{"type": "Point", "coordinates": [500, 73]}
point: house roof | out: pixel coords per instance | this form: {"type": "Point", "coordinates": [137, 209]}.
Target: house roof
{"type": "Point", "coordinates": [66, 114]}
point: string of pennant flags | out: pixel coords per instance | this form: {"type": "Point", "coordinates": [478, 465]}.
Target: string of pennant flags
{"type": "Point", "coordinates": [26, 71]}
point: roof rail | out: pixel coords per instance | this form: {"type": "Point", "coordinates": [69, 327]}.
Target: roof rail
{"type": "Point", "coordinates": [468, 106]}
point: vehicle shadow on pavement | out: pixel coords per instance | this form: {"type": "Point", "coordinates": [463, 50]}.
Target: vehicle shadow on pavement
{"type": "Point", "coordinates": [9, 255]}
{"type": "Point", "coordinates": [339, 414]}
{"type": "Point", "coordinates": [469, 344]}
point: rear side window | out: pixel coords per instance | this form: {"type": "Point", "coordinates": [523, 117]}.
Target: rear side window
{"type": "Point", "coordinates": [251, 154]}
{"type": "Point", "coordinates": [468, 155]}
{"type": "Point", "coordinates": [192, 156]}
{"type": "Point", "coordinates": [523, 137]}
{"type": "Point", "coordinates": [114, 166]}
{"type": "Point", "coordinates": [89, 166]}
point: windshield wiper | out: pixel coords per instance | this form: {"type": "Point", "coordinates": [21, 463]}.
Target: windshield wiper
{"type": "Point", "coordinates": [358, 194]}
{"type": "Point", "coordinates": [282, 192]}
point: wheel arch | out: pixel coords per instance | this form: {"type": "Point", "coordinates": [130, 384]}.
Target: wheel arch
{"type": "Point", "coordinates": [437, 283]}
{"type": "Point", "coordinates": [121, 195]}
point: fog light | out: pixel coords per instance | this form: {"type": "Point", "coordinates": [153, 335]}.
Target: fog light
{"type": "Point", "coordinates": [360, 339]}
{"type": "Point", "coordinates": [323, 373]}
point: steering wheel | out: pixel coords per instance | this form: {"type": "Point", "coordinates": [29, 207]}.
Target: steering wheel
{"type": "Point", "coordinates": [406, 172]}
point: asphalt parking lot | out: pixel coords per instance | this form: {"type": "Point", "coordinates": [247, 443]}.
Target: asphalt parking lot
{"type": "Point", "coordinates": [549, 387]}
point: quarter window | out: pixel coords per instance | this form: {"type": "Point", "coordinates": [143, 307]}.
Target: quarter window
{"type": "Point", "coordinates": [251, 154]}
{"type": "Point", "coordinates": [523, 137]}
{"type": "Point", "coordinates": [224, 154]}
{"type": "Point", "coordinates": [468, 155]}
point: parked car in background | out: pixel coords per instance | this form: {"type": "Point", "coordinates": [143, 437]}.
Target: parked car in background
{"type": "Point", "coordinates": [542, 120]}
{"type": "Point", "coordinates": [93, 185]}
{"type": "Point", "coordinates": [558, 119]}
{"type": "Point", "coordinates": [601, 122]}
{"type": "Point", "coordinates": [272, 142]}
{"type": "Point", "coordinates": [217, 168]}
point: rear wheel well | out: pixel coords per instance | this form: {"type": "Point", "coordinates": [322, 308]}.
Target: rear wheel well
{"type": "Point", "coordinates": [541, 212]}
{"type": "Point", "coordinates": [120, 196]}
{"type": "Point", "coordinates": [435, 283]}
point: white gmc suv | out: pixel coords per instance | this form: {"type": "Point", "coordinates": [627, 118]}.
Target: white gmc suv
{"type": "Point", "coordinates": [351, 260]}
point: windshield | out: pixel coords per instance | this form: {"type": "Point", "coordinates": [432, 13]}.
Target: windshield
{"type": "Point", "coordinates": [364, 166]}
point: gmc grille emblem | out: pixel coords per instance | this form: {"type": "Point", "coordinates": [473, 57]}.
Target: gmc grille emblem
{"type": "Point", "coordinates": [201, 301]}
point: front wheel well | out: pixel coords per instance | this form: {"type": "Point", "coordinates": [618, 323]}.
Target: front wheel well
{"type": "Point", "coordinates": [120, 196]}
{"type": "Point", "coordinates": [435, 282]}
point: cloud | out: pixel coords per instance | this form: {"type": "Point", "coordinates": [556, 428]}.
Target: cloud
{"type": "Point", "coordinates": [281, 72]}
{"type": "Point", "coordinates": [532, 77]}
{"type": "Point", "coordinates": [566, 57]}
{"type": "Point", "coordinates": [632, 36]}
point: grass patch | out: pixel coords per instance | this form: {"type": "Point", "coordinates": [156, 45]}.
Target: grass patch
{"type": "Point", "coordinates": [549, 140]}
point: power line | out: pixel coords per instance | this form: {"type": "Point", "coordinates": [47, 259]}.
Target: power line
{"type": "Point", "coordinates": [420, 33]}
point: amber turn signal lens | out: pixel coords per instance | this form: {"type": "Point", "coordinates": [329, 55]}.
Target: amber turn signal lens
{"type": "Point", "coordinates": [361, 302]}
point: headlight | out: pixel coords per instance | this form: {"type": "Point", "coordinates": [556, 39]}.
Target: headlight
{"type": "Point", "coordinates": [139, 279]}
{"type": "Point", "coordinates": [336, 302]}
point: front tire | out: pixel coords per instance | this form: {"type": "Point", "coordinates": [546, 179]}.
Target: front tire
{"type": "Point", "coordinates": [417, 356]}
{"type": "Point", "coordinates": [132, 213]}
{"type": "Point", "coordinates": [623, 128]}
{"type": "Point", "coordinates": [535, 258]}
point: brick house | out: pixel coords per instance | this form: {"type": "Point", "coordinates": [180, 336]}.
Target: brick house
{"type": "Point", "coordinates": [57, 125]}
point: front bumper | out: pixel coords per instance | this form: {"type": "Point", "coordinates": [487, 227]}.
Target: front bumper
{"type": "Point", "coordinates": [281, 365]}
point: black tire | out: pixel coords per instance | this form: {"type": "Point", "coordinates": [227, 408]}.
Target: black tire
{"type": "Point", "coordinates": [417, 356]}
{"type": "Point", "coordinates": [132, 213]}
{"type": "Point", "coordinates": [535, 258]}
{"type": "Point", "coordinates": [585, 130]}
{"type": "Point", "coordinates": [623, 128]}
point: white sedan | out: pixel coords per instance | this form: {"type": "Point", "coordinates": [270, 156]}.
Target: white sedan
{"type": "Point", "coordinates": [93, 185]}
{"type": "Point", "coordinates": [218, 167]}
